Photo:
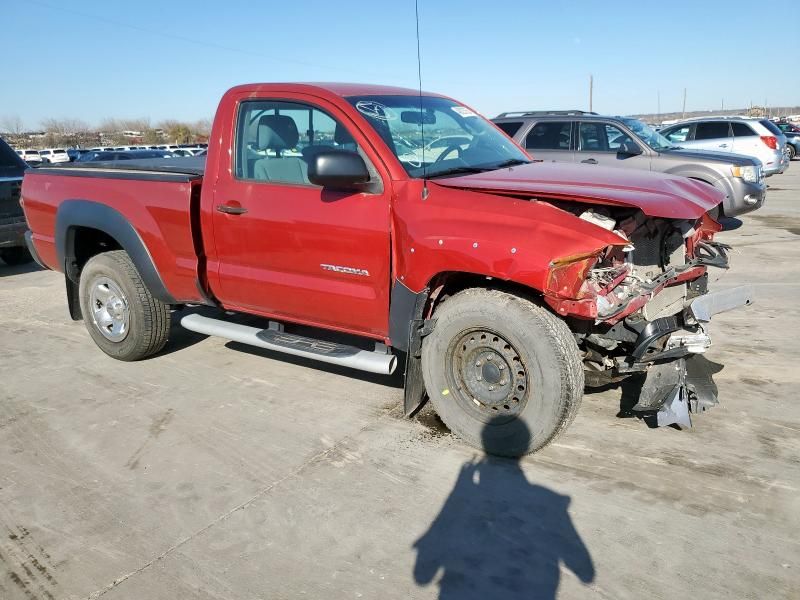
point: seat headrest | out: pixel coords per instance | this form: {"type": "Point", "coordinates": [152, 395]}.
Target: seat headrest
{"type": "Point", "coordinates": [277, 132]}
{"type": "Point", "coordinates": [342, 136]}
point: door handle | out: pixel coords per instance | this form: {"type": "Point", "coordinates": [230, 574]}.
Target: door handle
{"type": "Point", "coordinates": [723, 145]}
{"type": "Point", "coordinates": [229, 209]}
{"type": "Point", "coordinates": [590, 161]}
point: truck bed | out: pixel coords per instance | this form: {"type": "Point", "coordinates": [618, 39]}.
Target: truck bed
{"type": "Point", "coordinates": [158, 201]}
{"type": "Point", "coordinates": [154, 169]}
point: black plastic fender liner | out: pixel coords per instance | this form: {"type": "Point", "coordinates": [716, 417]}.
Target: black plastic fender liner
{"type": "Point", "coordinates": [73, 300]}
{"type": "Point", "coordinates": [406, 330]}
{"type": "Point", "coordinates": [84, 213]}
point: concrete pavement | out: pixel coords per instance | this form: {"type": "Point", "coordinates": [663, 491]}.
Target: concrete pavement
{"type": "Point", "coordinates": [212, 471]}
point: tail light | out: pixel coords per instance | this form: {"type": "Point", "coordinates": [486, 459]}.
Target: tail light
{"type": "Point", "coordinates": [771, 141]}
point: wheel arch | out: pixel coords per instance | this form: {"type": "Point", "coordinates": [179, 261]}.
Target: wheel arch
{"type": "Point", "coordinates": [85, 229]}
{"type": "Point", "coordinates": [411, 319]}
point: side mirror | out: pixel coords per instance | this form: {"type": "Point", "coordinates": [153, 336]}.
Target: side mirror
{"type": "Point", "coordinates": [629, 148]}
{"type": "Point", "coordinates": [338, 169]}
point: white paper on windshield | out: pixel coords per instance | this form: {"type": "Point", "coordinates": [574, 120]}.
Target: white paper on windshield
{"type": "Point", "coordinates": [463, 111]}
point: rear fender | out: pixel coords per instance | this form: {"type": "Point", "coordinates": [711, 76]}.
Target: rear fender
{"type": "Point", "coordinates": [73, 214]}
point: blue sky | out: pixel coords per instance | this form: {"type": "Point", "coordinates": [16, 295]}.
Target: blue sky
{"type": "Point", "coordinates": [173, 59]}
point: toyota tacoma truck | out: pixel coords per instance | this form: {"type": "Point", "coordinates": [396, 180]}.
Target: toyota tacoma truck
{"type": "Point", "coordinates": [326, 212]}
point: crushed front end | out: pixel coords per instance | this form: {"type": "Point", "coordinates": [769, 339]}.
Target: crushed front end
{"type": "Point", "coordinates": [643, 307]}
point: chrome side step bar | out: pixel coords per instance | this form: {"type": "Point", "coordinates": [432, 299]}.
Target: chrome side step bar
{"type": "Point", "coordinates": [296, 345]}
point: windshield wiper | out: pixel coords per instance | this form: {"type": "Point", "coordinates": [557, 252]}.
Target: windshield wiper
{"type": "Point", "coordinates": [511, 162]}
{"type": "Point", "coordinates": [459, 171]}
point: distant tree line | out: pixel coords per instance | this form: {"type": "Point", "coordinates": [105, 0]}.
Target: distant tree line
{"type": "Point", "coordinates": [71, 133]}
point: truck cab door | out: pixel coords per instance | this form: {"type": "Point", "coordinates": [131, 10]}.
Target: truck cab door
{"type": "Point", "coordinates": [601, 143]}
{"type": "Point", "coordinates": [288, 249]}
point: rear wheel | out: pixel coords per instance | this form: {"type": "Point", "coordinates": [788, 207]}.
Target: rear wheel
{"type": "Point", "coordinates": [120, 313]}
{"type": "Point", "coordinates": [503, 373]}
{"type": "Point", "coordinates": [15, 256]}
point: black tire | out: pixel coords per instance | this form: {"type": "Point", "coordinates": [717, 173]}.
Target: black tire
{"type": "Point", "coordinates": [18, 255]}
{"type": "Point", "coordinates": [545, 372]}
{"type": "Point", "coordinates": [148, 319]}
{"type": "Point", "coordinates": [791, 151]}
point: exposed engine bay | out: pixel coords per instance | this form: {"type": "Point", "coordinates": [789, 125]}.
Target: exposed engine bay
{"type": "Point", "coordinates": [643, 308]}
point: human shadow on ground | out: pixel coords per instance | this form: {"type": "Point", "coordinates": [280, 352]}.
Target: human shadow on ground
{"type": "Point", "coordinates": [500, 536]}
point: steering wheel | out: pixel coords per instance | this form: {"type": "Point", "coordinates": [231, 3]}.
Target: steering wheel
{"type": "Point", "coordinates": [448, 150]}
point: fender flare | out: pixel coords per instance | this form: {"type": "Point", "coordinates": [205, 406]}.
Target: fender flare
{"type": "Point", "coordinates": [84, 213]}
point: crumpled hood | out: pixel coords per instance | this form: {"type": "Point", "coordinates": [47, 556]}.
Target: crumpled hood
{"type": "Point", "coordinates": [656, 194]}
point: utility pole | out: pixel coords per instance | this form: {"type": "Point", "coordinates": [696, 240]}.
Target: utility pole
{"type": "Point", "coordinates": [723, 105]}
{"type": "Point", "coordinates": [591, 90]}
{"type": "Point", "coordinates": [659, 104]}
{"type": "Point", "coordinates": [684, 104]}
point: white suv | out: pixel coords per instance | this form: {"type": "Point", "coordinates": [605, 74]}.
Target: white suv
{"type": "Point", "coordinates": [758, 138]}
{"type": "Point", "coordinates": [32, 157]}
{"type": "Point", "coordinates": [54, 155]}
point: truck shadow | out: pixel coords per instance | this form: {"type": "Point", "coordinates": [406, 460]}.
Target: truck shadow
{"type": "Point", "coordinates": [9, 271]}
{"type": "Point", "coordinates": [395, 380]}
{"type": "Point", "coordinates": [500, 536]}
{"type": "Point", "coordinates": [180, 338]}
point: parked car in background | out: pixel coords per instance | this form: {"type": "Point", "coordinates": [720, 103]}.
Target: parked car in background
{"type": "Point", "coordinates": [191, 151]}
{"type": "Point", "coordinates": [115, 155]}
{"type": "Point", "coordinates": [54, 155]}
{"type": "Point", "coordinates": [792, 133]}
{"type": "Point", "coordinates": [592, 139]}
{"type": "Point", "coordinates": [12, 219]}
{"type": "Point", "coordinates": [741, 135]}
{"type": "Point", "coordinates": [32, 157]}
{"type": "Point", "coordinates": [75, 153]}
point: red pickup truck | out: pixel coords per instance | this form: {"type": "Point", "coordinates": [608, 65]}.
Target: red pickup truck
{"type": "Point", "coordinates": [398, 225]}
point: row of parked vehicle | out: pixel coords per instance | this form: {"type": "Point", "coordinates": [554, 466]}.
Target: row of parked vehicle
{"type": "Point", "coordinates": [733, 154]}
{"type": "Point", "coordinates": [36, 158]}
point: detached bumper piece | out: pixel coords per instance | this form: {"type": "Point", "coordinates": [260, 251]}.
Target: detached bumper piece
{"type": "Point", "coordinates": [677, 389]}
{"type": "Point", "coordinates": [679, 381]}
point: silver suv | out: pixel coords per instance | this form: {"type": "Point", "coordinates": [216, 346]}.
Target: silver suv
{"type": "Point", "coordinates": [759, 138]}
{"type": "Point", "coordinates": [588, 138]}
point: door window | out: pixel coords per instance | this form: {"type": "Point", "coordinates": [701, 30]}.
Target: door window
{"type": "Point", "coordinates": [681, 134]}
{"type": "Point", "coordinates": [600, 137]}
{"type": "Point", "coordinates": [742, 130]}
{"type": "Point", "coordinates": [276, 141]}
{"type": "Point", "coordinates": [510, 127]}
{"type": "Point", "coordinates": [616, 137]}
{"type": "Point", "coordinates": [549, 135]}
{"type": "Point", "coordinates": [711, 130]}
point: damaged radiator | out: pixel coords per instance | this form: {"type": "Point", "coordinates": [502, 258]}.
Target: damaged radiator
{"type": "Point", "coordinates": [651, 255]}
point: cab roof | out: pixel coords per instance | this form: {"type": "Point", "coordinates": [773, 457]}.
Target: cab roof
{"type": "Point", "coordinates": [343, 90]}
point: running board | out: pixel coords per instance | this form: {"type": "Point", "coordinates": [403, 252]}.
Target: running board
{"type": "Point", "coordinates": [382, 363]}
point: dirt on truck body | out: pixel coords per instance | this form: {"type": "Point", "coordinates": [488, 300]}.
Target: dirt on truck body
{"type": "Point", "coordinates": [501, 283]}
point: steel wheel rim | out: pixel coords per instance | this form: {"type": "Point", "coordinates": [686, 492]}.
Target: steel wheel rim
{"type": "Point", "coordinates": [487, 374]}
{"type": "Point", "coordinates": [110, 311]}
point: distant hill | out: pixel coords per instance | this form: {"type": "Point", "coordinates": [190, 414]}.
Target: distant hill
{"type": "Point", "coordinates": [755, 111]}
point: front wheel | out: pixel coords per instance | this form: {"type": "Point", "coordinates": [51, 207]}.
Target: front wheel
{"type": "Point", "coordinates": [120, 313]}
{"type": "Point", "coordinates": [503, 373]}
{"type": "Point", "coordinates": [790, 151]}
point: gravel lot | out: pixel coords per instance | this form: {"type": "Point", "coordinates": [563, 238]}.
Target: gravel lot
{"type": "Point", "coordinates": [222, 472]}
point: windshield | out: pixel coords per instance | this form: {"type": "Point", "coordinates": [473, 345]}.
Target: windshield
{"type": "Point", "coordinates": [649, 135]}
{"type": "Point", "coordinates": [437, 137]}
